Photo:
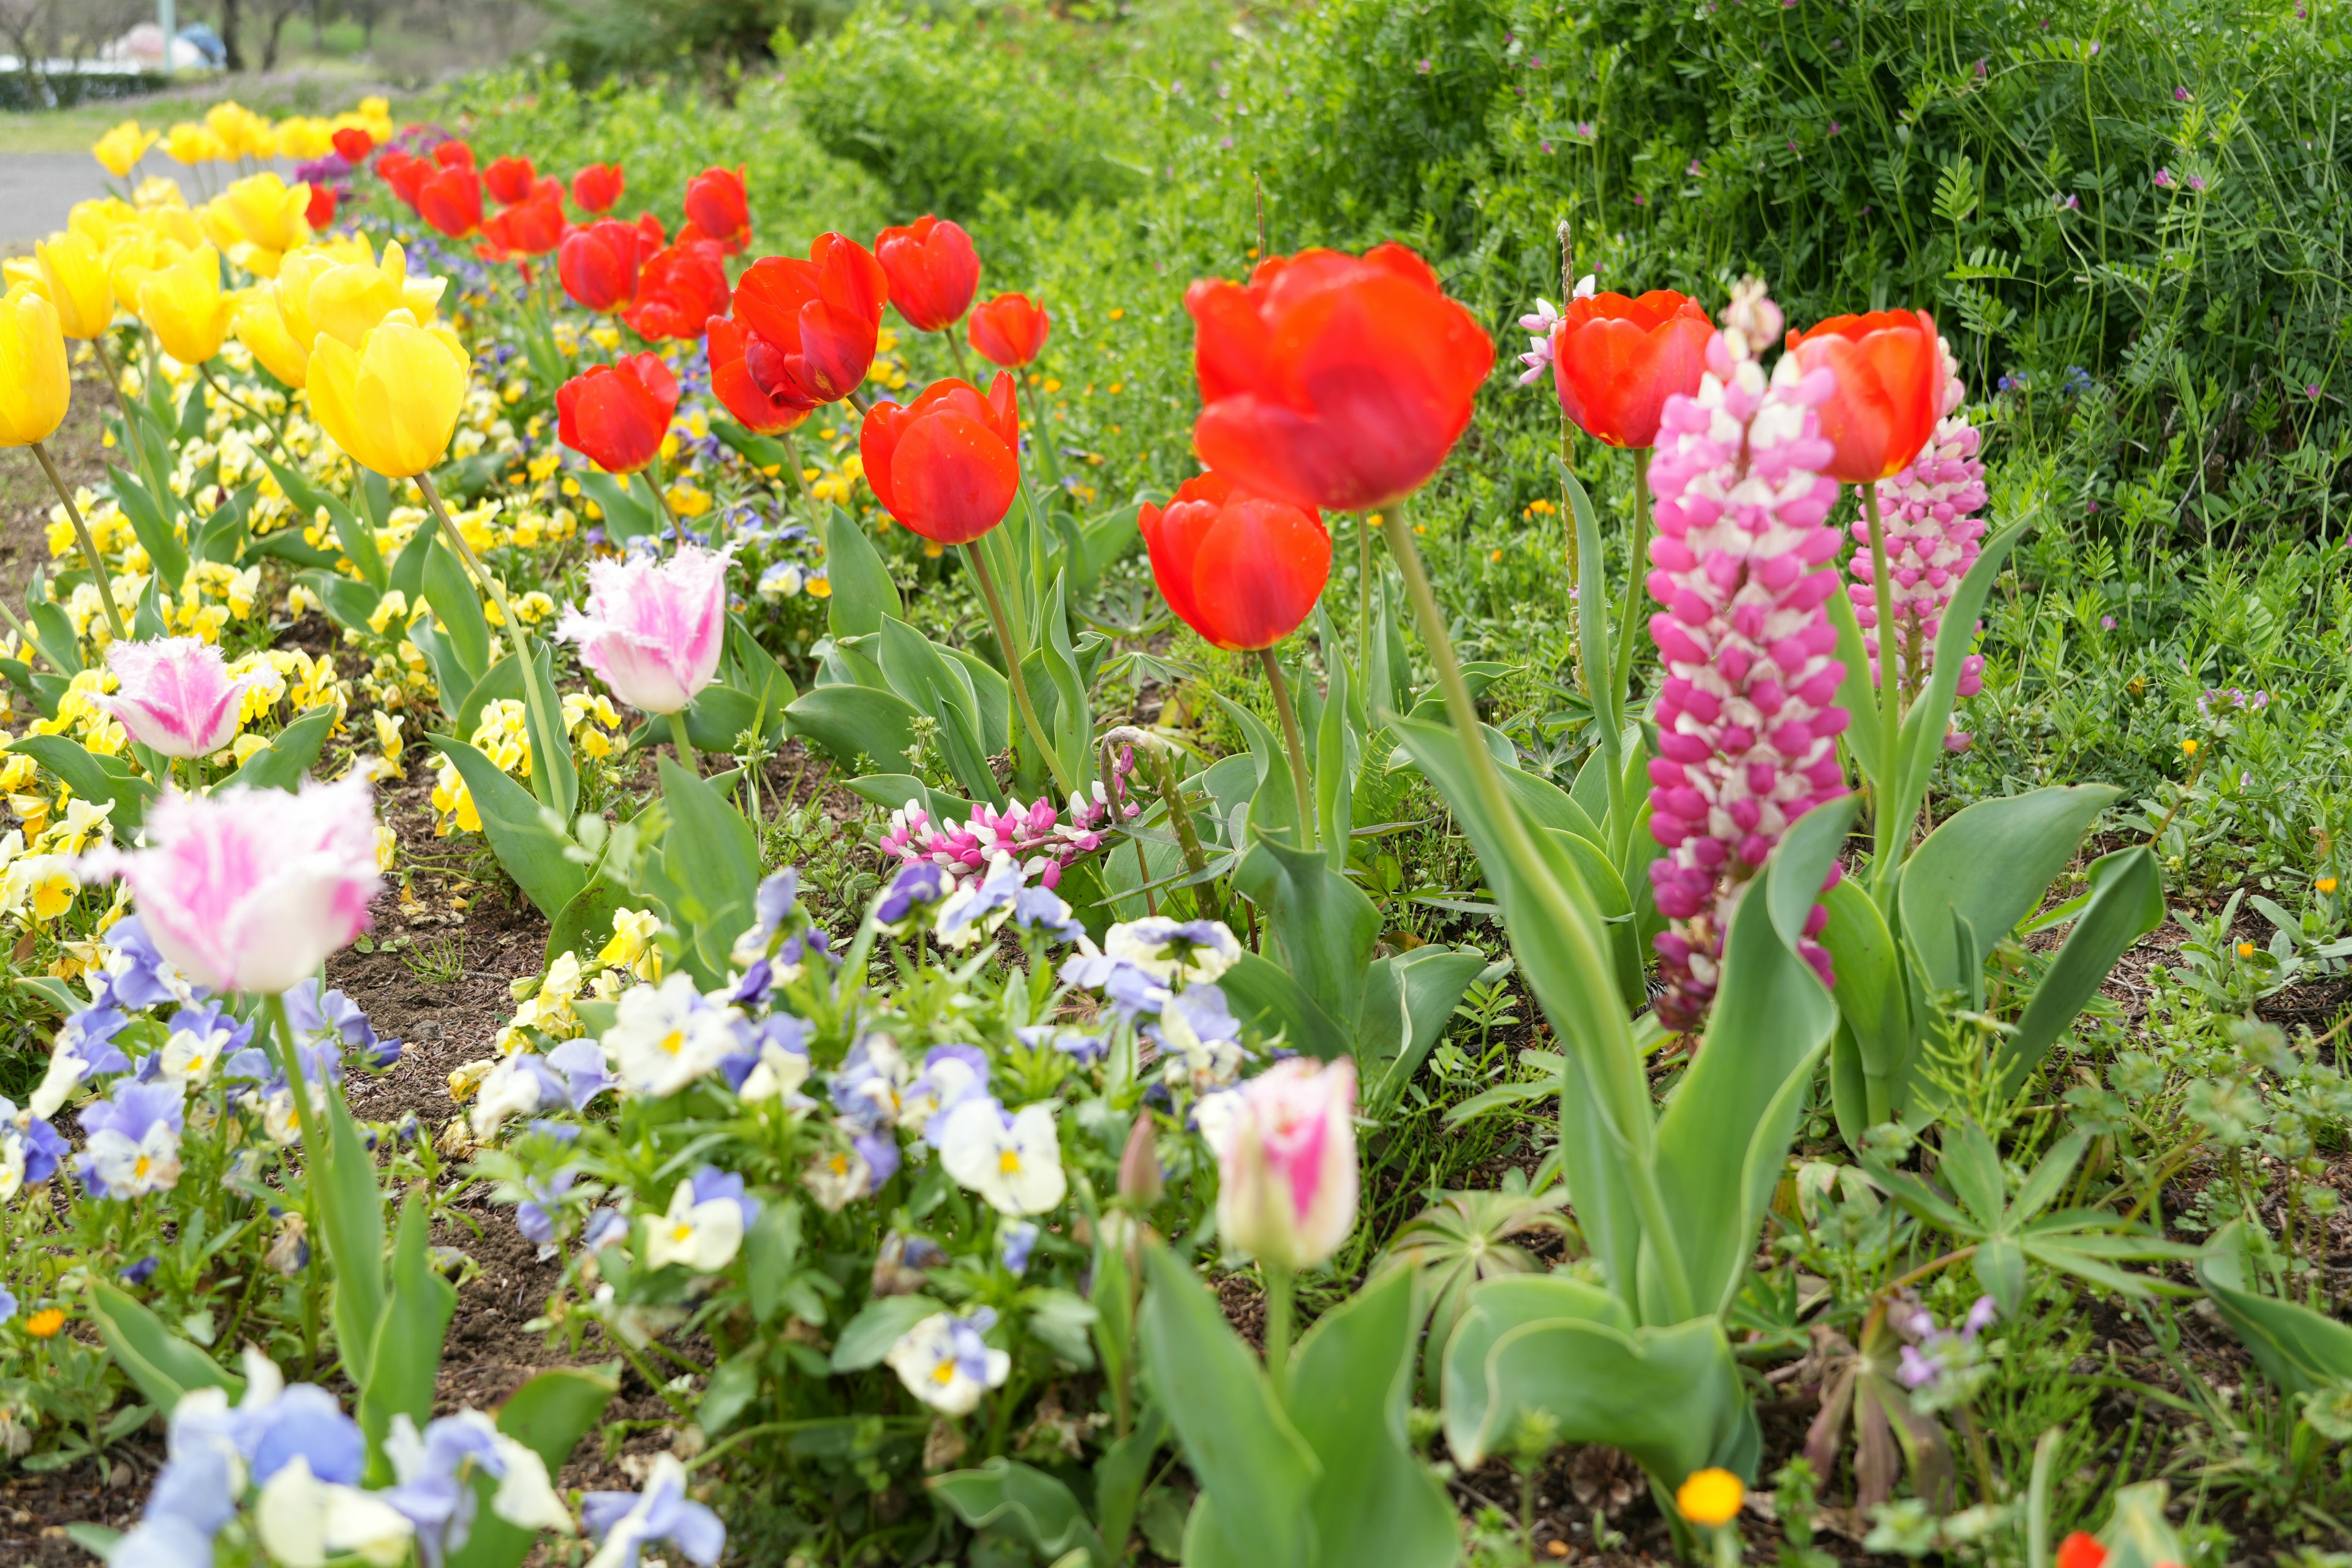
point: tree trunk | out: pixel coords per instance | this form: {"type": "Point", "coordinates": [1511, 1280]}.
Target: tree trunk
{"type": "Point", "coordinates": [229, 16]}
{"type": "Point", "coordinates": [277, 14]}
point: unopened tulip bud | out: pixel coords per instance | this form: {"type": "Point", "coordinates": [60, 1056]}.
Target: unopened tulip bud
{"type": "Point", "coordinates": [1139, 1168]}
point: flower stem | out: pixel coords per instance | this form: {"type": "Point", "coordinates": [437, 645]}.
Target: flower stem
{"type": "Point", "coordinates": [661, 502]}
{"type": "Point", "coordinates": [542, 722]}
{"type": "Point", "coordinates": [89, 545]}
{"type": "Point", "coordinates": [1297, 742]}
{"type": "Point", "coordinates": [1364, 602]}
{"type": "Point", "coordinates": [1010, 646]}
{"type": "Point", "coordinates": [273, 1008]}
{"type": "Point", "coordinates": [955, 347]}
{"type": "Point", "coordinates": [1204, 891]}
{"type": "Point", "coordinates": [685, 747]}
{"type": "Point", "coordinates": [800, 475]}
{"type": "Point", "coordinates": [277, 436]}
{"type": "Point", "coordinates": [1622, 1101]}
{"type": "Point", "coordinates": [1886, 833]}
{"type": "Point", "coordinates": [1639, 545]}
{"type": "Point", "coordinates": [1279, 1307]}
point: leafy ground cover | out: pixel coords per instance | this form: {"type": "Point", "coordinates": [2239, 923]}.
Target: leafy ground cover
{"type": "Point", "coordinates": [873, 1207]}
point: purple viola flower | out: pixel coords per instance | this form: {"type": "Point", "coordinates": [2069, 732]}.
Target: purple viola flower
{"type": "Point", "coordinates": [1043, 910]}
{"type": "Point", "coordinates": [582, 1064]}
{"type": "Point", "coordinates": [194, 1496]}
{"type": "Point", "coordinates": [711, 1183]}
{"type": "Point", "coordinates": [951, 1074]}
{"type": "Point", "coordinates": [7, 1304]}
{"type": "Point", "coordinates": [923, 883]}
{"type": "Point", "coordinates": [89, 1034]}
{"type": "Point", "coordinates": [1074, 1043]}
{"type": "Point", "coordinates": [605, 1227]}
{"type": "Point", "coordinates": [628, 1522]}
{"type": "Point", "coordinates": [776, 897]}
{"type": "Point", "coordinates": [1129, 987]}
{"type": "Point", "coordinates": [782, 1030]}
{"type": "Point", "coordinates": [1015, 1240]}
{"type": "Point", "coordinates": [137, 976]}
{"type": "Point", "coordinates": [531, 1215]}
{"type": "Point", "coordinates": [133, 1139]}
{"type": "Point", "coordinates": [141, 1271]}
{"type": "Point", "coordinates": [314, 1016]}
{"type": "Point", "coordinates": [306, 1420]}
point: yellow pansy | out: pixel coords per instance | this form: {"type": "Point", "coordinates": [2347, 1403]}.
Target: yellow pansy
{"type": "Point", "coordinates": [631, 947]}
{"type": "Point", "coordinates": [186, 307]}
{"type": "Point", "coordinates": [120, 150]}
{"type": "Point", "coordinates": [392, 607]}
{"type": "Point", "coordinates": [261, 326]}
{"type": "Point", "coordinates": [391, 405]}
{"type": "Point", "coordinates": [33, 384]}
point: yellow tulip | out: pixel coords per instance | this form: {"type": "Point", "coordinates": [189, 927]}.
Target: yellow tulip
{"type": "Point", "coordinates": [76, 275]}
{"type": "Point", "coordinates": [158, 191]}
{"type": "Point", "coordinates": [121, 149]}
{"type": "Point", "coordinates": [244, 134]}
{"type": "Point", "coordinates": [23, 273]}
{"type": "Point", "coordinates": [33, 384]}
{"type": "Point", "coordinates": [258, 220]}
{"type": "Point", "coordinates": [303, 137]}
{"type": "Point", "coordinates": [130, 256]}
{"type": "Point", "coordinates": [186, 306]}
{"type": "Point", "coordinates": [100, 217]}
{"type": "Point", "coordinates": [346, 301]}
{"type": "Point", "coordinates": [393, 404]}
{"type": "Point", "coordinates": [261, 327]}
{"type": "Point", "coordinates": [191, 143]}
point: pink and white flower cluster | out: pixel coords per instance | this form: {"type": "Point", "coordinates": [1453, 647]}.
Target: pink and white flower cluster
{"type": "Point", "coordinates": [1746, 714]}
{"type": "Point", "coordinates": [1933, 536]}
{"type": "Point", "coordinates": [1036, 837]}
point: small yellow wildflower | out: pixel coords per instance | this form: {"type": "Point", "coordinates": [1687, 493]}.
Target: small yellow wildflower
{"type": "Point", "coordinates": [2325, 884]}
{"type": "Point", "coordinates": [2189, 747]}
{"type": "Point", "coordinates": [1711, 1496]}
{"type": "Point", "coordinates": [46, 1323]}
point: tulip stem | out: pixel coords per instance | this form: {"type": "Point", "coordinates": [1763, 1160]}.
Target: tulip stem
{"type": "Point", "coordinates": [685, 747]}
{"type": "Point", "coordinates": [1620, 1089]}
{"type": "Point", "coordinates": [1364, 603]}
{"type": "Point", "coordinates": [1010, 646]}
{"type": "Point", "coordinates": [800, 475]}
{"type": "Point", "coordinates": [114, 386]}
{"type": "Point", "coordinates": [1639, 545]}
{"type": "Point", "coordinates": [542, 723]}
{"type": "Point", "coordinates": [1280, 1305]}
{"type": "Point", "coordinates": [273, 1009]}
{"type": "Point", "coordinates": [89, 545]}
{"type": "Point", "coordinates": [661, 502]}
{"type": "Point", "coordinates": [955, 347]}
{"type": "Point", "coordinates": [277, 436]}
{"type": "Point", "coordinates": [1886, 851]}
{"type": "Point", "coordinates": [1300, 789]}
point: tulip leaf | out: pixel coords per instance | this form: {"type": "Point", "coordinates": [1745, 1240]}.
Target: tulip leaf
{"type": "Point", "coordinates": [1407, 999]}
{"type": "Point", "coordinates": [147, 622]}
{"type": "Point", "coordinates": [1028, 1504]}
{"type": "Point", "coordinates": [452, 682]}
{"type": "Point", "coordinates": [1120, 1476]}
{"type": "Point", "coordinates": [995, 695]}
{"type": "Point", "coordinates": [347, 1212]}
{"type": "Point", "coordinates": [162, 1364]}
{"type": "Point", "coordinates": [1872, 1004]}
{"type": "Point", "coordinates": [627, 515]}
{"type": "Point", "coordinates": [1856, 694]}
{"type": "Point", "coordinates": [1350, 1385]}
{"type": "Point", "coordinates": [92, 777]}
{"type": "Point", "coordinates": [941, 687]}
{"type": "Point", "coordinates": [221, 536]}
{"type": "Point", "coordinates": [1615, 908]}
{"type": "Point", "coordinates": [719, 716]}
{"type": "Point", "coordinates": [348, 601]}
{"type": "Point", "coordinates": [1265, 997]}
{"type": "Point", "coordinates": [2299, 1350]}
{"type": "Point", "coordinates": [53, 633]}
{"type": "Point", "coordinates": [407, 576]}
{"type": "Point", "coordinates": [892, 791]}
{"type": "Point", "coordinates": [1724, 1137]}
{"type": "Point", "coordinates": [710, 856]}
{"type": "Point", "coordinates": [281, 764]}
{"type": "Point", "coordinates": [531, 849]}
{"type": "Point", "coordinates": [862, 590]}
{"type": "Point", "coordinates": [2127, 903]}
{"type": "Point", "coordinates": [549, 1416]}
{"type": "Point", "coordinates": [450, 591]}
{"type": "Point", "coordinates": [151, 524]}
{"type": "Point", "coordinates": [1336, 755]}
{"type": "Point", "coordinates": [1989, 865]}
{"type": "Point", "coordinates": [406, 1357]}
{"type": "Point", "coordinates": [554, 778]}
{"type": "Point", "coordinates": [1323, 923]}
{"type": "Point", "coordinates": [585, 924]}
{"type": "Point", "coordinates": [357, 538]}
{"type": "Point", "coordinates": [1256, 1473]}
{"type": "Point", "coordinates": [497, 683]}
{"type": "Point", "coordinates": [851, 721]}
{"type": "Point", "coordinates": [1073, 720]}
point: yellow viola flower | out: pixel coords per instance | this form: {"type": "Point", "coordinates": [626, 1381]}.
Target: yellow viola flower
{"type": "Point", "coordinates": [186, 307]}
{"type": "Point", "coordinates": [33, 384]}
{"type": "Point", "coordinates": [330, 290]}
{"type": "Point", "coordinates": [393, 404]}
{"type": "Point", "coordinates": [631, 947]}
{"type": "Point", "coordinates": [120, 150]}
{"type": "Point", "coordinates": [261, 326]}
{"type": "Point", "coordinates": [393, 606]}
{"type": "Point", "coordinates": [258, 220]}
{"type": "Point", "coordinates": [191, 143]}
{"type": "Point", "coordinates": [75, 273]}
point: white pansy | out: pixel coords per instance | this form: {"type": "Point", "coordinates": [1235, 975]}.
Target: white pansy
{"type": "Point", "coordinates": [190, 1058]}
{"type": "Point", "coordinates": [704, 1237]}
{"type": "Point", "coordinates": [304, 1521]}
{"type": "Point", "coordinates": [779, 1075]}
{"type": "Point", "coordinates": [133, 1169]}
{"type": "Point", "coordinates": [664, 1036]}
{"type": "Point", "coordinates": [945, 1363]}
{"type": "Point", "coordinates": [1013, 1162]}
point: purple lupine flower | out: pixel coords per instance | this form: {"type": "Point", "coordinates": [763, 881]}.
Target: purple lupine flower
{"type": "Point", "coordinates": [1748, 713]}
{"type": "Point", "coordinates": [1928, 514]}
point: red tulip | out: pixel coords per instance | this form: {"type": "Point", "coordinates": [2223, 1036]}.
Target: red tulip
{"type": "Point", "coordinates": [932, 270]}
{"type": "Point", "coordinates": [820, 317]}
{"type": "Point", "coordinates": [532, 227]}
{"type": "Point", "coordinates": [1334, 381]}
{"type": "Point", "coordinates": [1009, 330]}
{"type": "Point", "coordinates": [355, 144]}
{"type": "Point", "coordinates": [321, 210]}
{"type": "Point", "coordinates": [946, 465]}
{"type": "Point", "coordinates": [1616, 361]}
{"type": "Point", "coordinates": [615, 415]}
{"type": "Point", "coordinates": [598, 187]}
{"type": "Point", "coordinates": [1242, 570]}
{"type": "Point", "coordinates": [510, 179]}
{"type": "Point", "coordinates": [717, 208]}
{"type": "Point", "coordinates": [678, 291]}
{"type": "Point", "coordinates": [404, 173]}
{"type": "Point", "coordinates": [746, 372]}
{"type": "Point", "coordinates": [451, 201]}
{"type": "Point", "coordinates": [1889, 389]}
{"type": "Point", "coordinates": [598, 263]}
{"type": "Point", "coordinates": [452, 153]}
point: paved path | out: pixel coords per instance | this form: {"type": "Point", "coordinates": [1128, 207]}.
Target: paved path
{"type": "Point", "coordinates": [38, 189]}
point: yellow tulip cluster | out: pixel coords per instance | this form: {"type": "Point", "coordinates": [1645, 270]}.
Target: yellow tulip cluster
{"type": "Point", "coordinates": [230, 132]}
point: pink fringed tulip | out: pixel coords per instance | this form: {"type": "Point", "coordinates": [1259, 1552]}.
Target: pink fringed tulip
{"type": "Point", "coordinates": [1933, 537]}
{"type": "Point", "coordinates": [1287, 1172]}
{"type": "Point", "coordinates": [652, 631]}
{"type": "Point", "coordinates": [175, 697]}
{"type": "Point", "coordinates": [251, 890]}
{"type": "Point", "coordinates": [1748, 716]}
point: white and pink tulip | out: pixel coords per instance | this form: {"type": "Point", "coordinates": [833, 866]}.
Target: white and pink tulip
{"type": "Point", "coordinates": [653, 630]}
{"type": "Point", "coordinates": [1286, 1159]}
{"type": "Point", "coordinates": [174, 695]}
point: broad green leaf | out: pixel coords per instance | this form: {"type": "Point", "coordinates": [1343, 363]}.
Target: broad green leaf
{"type": "Point", "coordinates": [356, 537]}
{"type": "Point", "coordinates": [163, 1365]}
{"type": "Point", "coordinates": [152, 523]}
{"type": "Point", "coordinates": [940, 687]}
{"type": "Point", "coordinates": [995, 695]}
{"type": "Point", "coordinates": [1921, 742]}
{"type": "Point", "coordinates": [1545, 805]}
{"type": "Point", "coordinates": [1349, 1386]}
{"type": "Point", "coordinates": [1999, 1265]}
{"type": "Point", "coordinates": [349, 1219]}
{"type": "Point", "coordinates": [1592, 618]}
{"type": "Point", "coordinates": [1028, 1504]}
{"type": "Point", "coordinates": [452, 681]}
{"type": "Point", "coordinates": [1335, 771]}
{"type": "Point", "coordinates": [531, 851]}
{"type": "Point", "coordinates": [854, 720]}
{"type": "Point", "coordinates": [1323, 923]}
{"type": "Point", "coordinates": [710, 853]}
{"type": "Point", "coordinates": [1256, 1473]}
{"type": "Point", "coordinates": [291, 755]}
{"type": "Point", "coordinates": [1870, 999]}
{"type": "Point", "coordinates": [2299, 1350]}
{"type": "Point", "coordinates": [1856, 694]}
{"type": "Point", "coordinates": [771, 1252]}
{"type": "Point", "coordinates": [408, 573]}
{"type": "Point", "coordinates": [1273, 808]}
{"type": "Point", "coordinates": [451, 592]}
{"type": "Point", "coordinates": [717, 718]}
{"type": "Point", "coordinates": [1120, 1475]}
{"type": "Point", "coordinates": [628, 513]}
{"type": "Point", "coordinates": [148, 623]}
{"type": "Point", "coordinates": [734, 1384]}
{"type": "Point", "coordinates": [553, 778]}
{"type": "Point", "coordinates": [348, 601]}
{"type": "Point", "coordinates": [1073, 720]}
{"type": "Point", "coordinates": [1724, 1138]}
{"type": "Point", "coordinates": [1615, 908]}
{"type": "Point", "coordinates": [53, 633]}
{"type": "Point", "coordinates": [882, 1323]}
{"type": "Point", "coordinates": [585, 924]}
{"type": "Point", "coordinates": [891, 792]}
{"type": "Point", "coordinates": [93, 778]}
{"type": "Point", "coordinates": [1972, 1168]}
{"type": "Point", "coordinates": [862, 590]}
{"type": "Point", "coordinates": [1267, 999]}
{"type": "Point", "coordinates": [1989, 865]}
{"type": "Point", "coordinates": [1408, 998]}
{"type": "Point", "coordinates": [406, 1357]}
{"type": "Point", "coordinates": [2127, 903]}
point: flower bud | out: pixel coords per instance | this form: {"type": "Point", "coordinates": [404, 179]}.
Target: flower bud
{"type": "Point", "coordinates": [1139, 1167]}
